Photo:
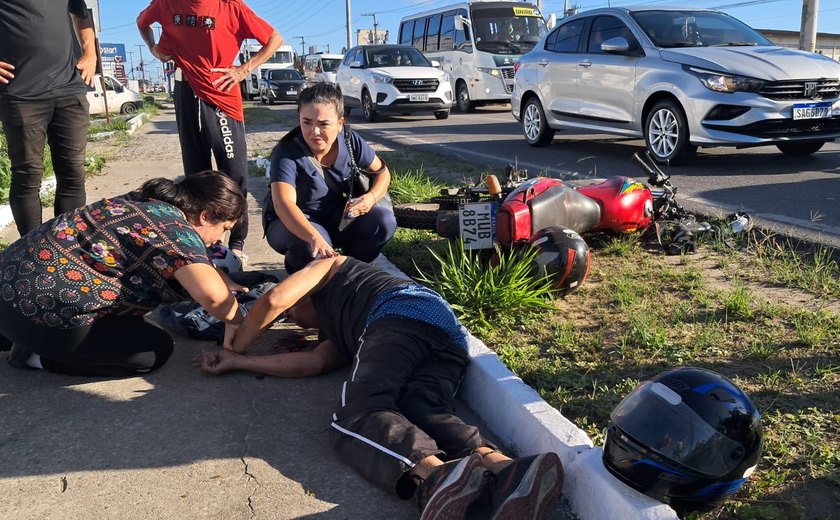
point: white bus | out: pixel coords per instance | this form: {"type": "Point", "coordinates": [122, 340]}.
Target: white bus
{"type": "Point", "coordinates": [284, 58]}
{"type": "Point", "coordinates": [477, 43]}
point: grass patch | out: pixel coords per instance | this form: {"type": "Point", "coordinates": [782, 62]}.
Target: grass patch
{"type": "Point", "coordinates": [729, 308]}
{"type": "Point", "coordinates": [410, 186]}
{"type": "Point", "coordinates": [116, 125]}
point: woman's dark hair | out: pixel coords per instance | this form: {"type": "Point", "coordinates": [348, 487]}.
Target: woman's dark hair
{"type": "Point", "coordinates": [209, 190]}
{"type": "Point", "coordinates": [324, 93]}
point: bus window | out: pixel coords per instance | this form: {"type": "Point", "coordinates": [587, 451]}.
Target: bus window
{"type": "Point", "coordinates": [463, 41]}
{"type": "Point", "coordinates": [406, 30]}
{"type": "Point", "coordinates": [447, 32]}
{"type": "Point", "coordinates": [432, 33]}
{"type": "Point", "coordinates": [419, 29]}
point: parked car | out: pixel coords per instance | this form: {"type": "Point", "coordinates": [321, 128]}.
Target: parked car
{"type": "Point", "coordinates": [396, 78]}
{"type": "Point", "coordinates": [681, 79]}
{"type": "Point", "coordinates": [120, 99]}
{"type": "Point", "coordinates": [281, 85]}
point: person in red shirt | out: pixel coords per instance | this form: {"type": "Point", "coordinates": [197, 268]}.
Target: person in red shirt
{"type": "Point", "coordinates": [203, 37]}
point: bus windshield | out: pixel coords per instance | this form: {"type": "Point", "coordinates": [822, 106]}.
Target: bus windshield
{"type": "Point", "coordinates": [506, 30]}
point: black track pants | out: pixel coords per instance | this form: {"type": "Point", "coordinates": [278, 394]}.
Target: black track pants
{"type": "Point", "coordinates": [204, 130]}
{"type": "Point", "coordinates": [398, 406]}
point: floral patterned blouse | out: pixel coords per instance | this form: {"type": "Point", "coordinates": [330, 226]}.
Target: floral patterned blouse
{"type": "Point", "coordinates": [113, 257]}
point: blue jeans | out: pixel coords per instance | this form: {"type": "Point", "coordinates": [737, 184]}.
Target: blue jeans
{"type": "Point", "coordinates": [363, 239]}
{"type": "Point", "coordinates": [28, 124]}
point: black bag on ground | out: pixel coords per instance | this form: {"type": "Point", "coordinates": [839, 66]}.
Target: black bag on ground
{"type": "Point", "coordinates": [188, 318]}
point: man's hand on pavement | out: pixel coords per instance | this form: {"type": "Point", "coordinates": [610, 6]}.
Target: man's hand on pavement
{"type": "Point", "coordinates": [217, 362]}
{"type": "Point", "coordinates": [6, 72]}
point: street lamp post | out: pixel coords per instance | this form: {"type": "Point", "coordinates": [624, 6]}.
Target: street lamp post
{"type": "Point", "coordinates": [375, 26]}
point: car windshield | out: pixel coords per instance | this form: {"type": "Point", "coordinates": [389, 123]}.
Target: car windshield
{"type": "Point", "coordinates": [696, 29]}
{"type": "Point", "coordinates": [395, 57]}
{"type": "Point", "coordinates": [331, 64]}
{"type": "Point", "coordinates": [281, 75]}
{"type": "Point", "coordinates": [506, 30]}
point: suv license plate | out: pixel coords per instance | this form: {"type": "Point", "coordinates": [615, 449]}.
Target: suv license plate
{"type": "Point", "coordinates": [811, 111]}
{"type": "Point", "coordinates": [477, 223]}
{"type": "Point", "coordinates": [418, 97]}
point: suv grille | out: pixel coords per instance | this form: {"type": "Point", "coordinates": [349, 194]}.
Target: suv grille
{"type": "Point", "coordinates": [416, 85]}
{"type": "Point", "coordinates": [825, 89]}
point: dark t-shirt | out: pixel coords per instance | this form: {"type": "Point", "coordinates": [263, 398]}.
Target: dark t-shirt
{"type": "Point", "coordinates": [37, 37]}
{"type": "Point", "coordinates": [344, 303]}
{"type": "Point", "coordinates": [293, 163]}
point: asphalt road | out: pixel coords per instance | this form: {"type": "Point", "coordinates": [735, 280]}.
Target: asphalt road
{"type": "Point", "coordinates": [796, 196]}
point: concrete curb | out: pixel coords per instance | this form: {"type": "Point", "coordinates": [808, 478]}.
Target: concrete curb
{"type": "Point", "coordinates": [517, 414]}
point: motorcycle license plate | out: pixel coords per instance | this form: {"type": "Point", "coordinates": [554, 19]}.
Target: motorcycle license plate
{"type": "Point", "coordinates": [477, 223]}
{"type": "Point", "coordinates": [811, 111]}
{"type": "Point", "coordinates": [418, 97]}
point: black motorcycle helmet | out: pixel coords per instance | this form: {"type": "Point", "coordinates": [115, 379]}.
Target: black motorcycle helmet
{"type": "Point", "coordinates": [563, 255]}
{"type": "Point", "coordinates": [689, 437]}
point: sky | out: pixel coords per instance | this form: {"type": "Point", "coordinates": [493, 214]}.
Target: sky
{"type": "Point", "coordinates": [321, 23]}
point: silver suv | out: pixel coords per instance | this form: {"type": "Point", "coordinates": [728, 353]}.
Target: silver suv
{"type": "Point", "coordinates": [680, 79]}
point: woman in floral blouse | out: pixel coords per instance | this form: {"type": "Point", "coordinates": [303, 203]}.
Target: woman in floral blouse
{"type": "Point", "coordinates": [73, 292]}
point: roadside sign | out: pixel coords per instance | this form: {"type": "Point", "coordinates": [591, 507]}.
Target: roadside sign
{"type": "Point", "coordinates": [477, 224]}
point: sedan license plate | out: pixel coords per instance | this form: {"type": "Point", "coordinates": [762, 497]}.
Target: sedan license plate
{"type": "Point", "coordinates": [477, 223]}
{"type": "Point", "coordinates": [418, 97]}
{"type": "Point", "coordinates": [811, 110]}
{"type": "Point", "coordinates": [291, 92]}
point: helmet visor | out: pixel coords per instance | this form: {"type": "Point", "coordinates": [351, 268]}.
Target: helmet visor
{"type": "Point", "coordinates": [656, 416]}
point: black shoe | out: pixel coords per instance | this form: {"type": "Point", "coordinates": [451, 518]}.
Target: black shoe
{"type": "Point", "coordinates": [451, 489]}
{"type": "Point", "coordinates": [527, 487]}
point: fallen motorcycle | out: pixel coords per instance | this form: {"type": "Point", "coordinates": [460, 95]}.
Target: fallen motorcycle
{"type": "Point", "coordinates": [551, 214]}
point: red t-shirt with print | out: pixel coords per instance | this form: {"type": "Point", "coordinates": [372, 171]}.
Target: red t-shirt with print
{"type": "Point", "coordinates": [203, 35]}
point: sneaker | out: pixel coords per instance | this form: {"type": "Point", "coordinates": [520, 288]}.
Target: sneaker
{"type": "Point", "coordinates": [451, 489]}
{"type": "Point", "coordinates": [19, 357]}
{"type": "Point", "coordinates": [526, 488]}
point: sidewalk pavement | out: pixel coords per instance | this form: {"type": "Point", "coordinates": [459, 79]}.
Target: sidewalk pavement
{"type": "Point", "coordinates": [181, 444]}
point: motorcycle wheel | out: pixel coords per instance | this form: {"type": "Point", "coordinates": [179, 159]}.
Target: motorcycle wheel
{"type": "Point", "coordinates": [417, 216]}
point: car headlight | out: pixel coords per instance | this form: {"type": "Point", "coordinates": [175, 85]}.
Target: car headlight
{"type": "Point", "coordinates": [727, 82]}
{"type": "Point", "coordinates": [444, 78]}
{"type": "Point", "coordinates": [489, 70]}
{"type": "Point", "coordinates": [381, 78]}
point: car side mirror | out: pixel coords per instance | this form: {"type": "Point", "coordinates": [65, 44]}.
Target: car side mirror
{"type": "Point", "coordinates": [356, 65]}
{"type": "Point", "coordinates": [617, 45]}
{"type": "Point", "coordinates": [459, 22]}
{"type": "Point", "coordinates": [435, 64]}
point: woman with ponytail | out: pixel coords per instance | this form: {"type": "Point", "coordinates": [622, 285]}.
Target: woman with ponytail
{"type": "Point", "coordinates": [73, 291]}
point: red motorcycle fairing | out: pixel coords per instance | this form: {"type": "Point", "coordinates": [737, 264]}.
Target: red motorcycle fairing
{"type": "Point", "coordinates": [542, 202]}
{"type": "Point", "coordinates": [626, 204]}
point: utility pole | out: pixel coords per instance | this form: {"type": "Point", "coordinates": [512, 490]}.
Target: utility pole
{"type": "Point", "coordinates": [349, 28]}
{"type": "Point", "coordinates": [302, 45]}
{"type": "Point", "coordinates": [142, 68]}
{"type": "Point", "coordinates": [375, 25]}
{"type": "Point", "coordinates": [130, 63]}
{"type": "Point", "coordinates": [808, 30]}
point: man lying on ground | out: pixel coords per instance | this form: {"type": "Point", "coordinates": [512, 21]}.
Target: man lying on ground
{"type": "Point", "coordinates": [396, 424]}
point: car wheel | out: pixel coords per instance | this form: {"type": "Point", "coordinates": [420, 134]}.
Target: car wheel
{"type": "Point", "coordinates": [462, 98]}
{"type": "Point", "coordinates": [129, 109]}
{"type": "Point", "coordinates": [534, 125]}
{"type": "Point", "coordinates": [442, 114]}
{"type": "Point", "coordinates": [367, 107]}
{"type": "Point", "coordinates": [797, 148]}
{"type": "Point", "coordinates": [666, 133]}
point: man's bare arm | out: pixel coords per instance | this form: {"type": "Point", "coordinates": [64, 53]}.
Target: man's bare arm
{"type": "Point", "coordinates": [87, 39]}
{"type": "Point", "coordinates": [322, 360]}
{"type": "Point", "coordinates": [234, 74]}
{"type": "Point", "coordinates": [279, 299]}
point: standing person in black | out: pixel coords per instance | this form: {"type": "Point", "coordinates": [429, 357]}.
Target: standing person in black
{"type": "Point", "coordinates": [396, 424]}
{"type": "Point", "coordinates": [43, 96]}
